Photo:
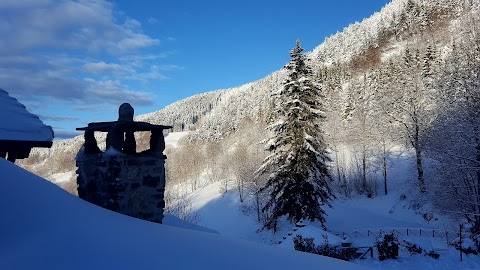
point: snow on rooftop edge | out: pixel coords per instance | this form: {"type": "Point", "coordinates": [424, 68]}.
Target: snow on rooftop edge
{"type": "Point", "coordinates": [44, 227]}
{"type": "Point", "coordinates": [17, 124]}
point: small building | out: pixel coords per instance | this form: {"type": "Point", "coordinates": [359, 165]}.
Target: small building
{"type": "Point", "coordinates": [20, 130]}
{"type": "Point", "coordinates": [120, 178]}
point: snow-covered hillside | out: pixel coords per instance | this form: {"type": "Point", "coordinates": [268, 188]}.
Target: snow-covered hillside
{"type": "Point", "coordinates": [43, 227]}
{"type": "Point", "coordinates": [361, 220]}
{"type": "Point", "coordinates": [216, 114]}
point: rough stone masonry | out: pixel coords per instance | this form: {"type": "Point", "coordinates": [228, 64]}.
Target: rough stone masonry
{"type": "Point", "coordinates": [120, 179]}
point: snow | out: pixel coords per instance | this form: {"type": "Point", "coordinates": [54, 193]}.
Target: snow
{"type": "Point", "coordinates": [172, 139]}
{"type": "Point", "coordinates": [370, 214]}
{"type": "Point", "coordinates": [17, 124]}
{"type": "Point", "coordinates": [359, 219]}
{"type": "Point", "coordinates": [221, 212]}
{"type": "Point", "coordinates": [111, 152]}
{"type": "Point", "coordinates": [44, 227]}
{"type": "Point", "coordinates": [64, 177]}
{"type": "Point", "coordinates": [311, 231]}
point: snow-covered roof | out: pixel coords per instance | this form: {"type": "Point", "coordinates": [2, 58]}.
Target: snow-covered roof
{"type": "Point", "coordinates": [17, 124]}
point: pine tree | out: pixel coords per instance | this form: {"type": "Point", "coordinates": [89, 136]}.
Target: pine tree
{"type": "Point", "coordinates": [297, 170]}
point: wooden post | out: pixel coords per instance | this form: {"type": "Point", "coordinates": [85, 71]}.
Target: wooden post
{"type": "Point", "coordinates": [461, 255]}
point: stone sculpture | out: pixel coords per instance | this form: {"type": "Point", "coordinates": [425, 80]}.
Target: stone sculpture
{"type": "Point", "coordinates": [122, 180]}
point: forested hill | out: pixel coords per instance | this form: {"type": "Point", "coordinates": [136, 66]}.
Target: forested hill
{"type": "Point", "coordinates": [361, 47]}
{"type": "Point", "coordinates": [408, 75]}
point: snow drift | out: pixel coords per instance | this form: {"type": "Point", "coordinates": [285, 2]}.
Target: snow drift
{"type": "Point", "coordinates": [44, 227]}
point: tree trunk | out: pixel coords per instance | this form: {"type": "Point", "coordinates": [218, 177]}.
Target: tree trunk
{"type": "Point", "coordinates": [364, 168]}
{"type": "Point", "coordinates": [385, 168]}
{"type": "Point", "coordinates": [337, 164]}
{"type": "Point", "coordinates": [477, 140]}
{"type": "Point", "coordinates": [257, 198]}
{"type": "Point", "coordinates": [364, 161]}
{"type": "Point", "coordinates": [477, 203]}
{"type": "Point", "coordinates": [421, 179]}
{"type": "Point", "coordinates": [240, 189]}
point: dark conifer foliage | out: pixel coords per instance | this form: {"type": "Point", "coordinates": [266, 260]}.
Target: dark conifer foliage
{"type": "Point", "coordinates": [297, 170]}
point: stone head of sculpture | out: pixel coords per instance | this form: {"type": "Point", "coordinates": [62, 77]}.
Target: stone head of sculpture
{"type": "Point", "coordinates": [125, 112]}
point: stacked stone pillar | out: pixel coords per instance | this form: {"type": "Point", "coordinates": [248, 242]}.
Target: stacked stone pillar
{"type": "Point", "coordinates": [133, 185]}
{"type": "Point", "coordinates": [120, 179]}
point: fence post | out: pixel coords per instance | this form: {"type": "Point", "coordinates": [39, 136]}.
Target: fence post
{"type": "Point", "coordinates": [371, 252]}
{"type": "Point", "coordinates": [461, 256]}
{"type": "Point", "coordinates": [433, 233]}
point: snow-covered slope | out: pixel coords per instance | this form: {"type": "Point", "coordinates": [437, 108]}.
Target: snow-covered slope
{"type": "Point", "coordinates": [360, 219]}
{"type": "Point", "coordinates": [43, 227]}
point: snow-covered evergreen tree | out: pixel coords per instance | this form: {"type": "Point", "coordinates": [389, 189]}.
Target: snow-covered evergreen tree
{"type": "Point", "coordinates": [297, 170]}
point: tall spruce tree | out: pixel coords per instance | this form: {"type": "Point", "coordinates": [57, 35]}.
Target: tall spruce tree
{"type": "Point", "coordinates": [297, 173]}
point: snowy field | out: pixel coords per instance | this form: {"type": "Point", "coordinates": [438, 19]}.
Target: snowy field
{"type": "Point", "coordinates": [362, 215]}
{"type": "Point", "coordinates": [172, 139]}
{"type": "Point", "coordinates": [360, 219]}
{"type": "Point", "coordinates": [44, 227]}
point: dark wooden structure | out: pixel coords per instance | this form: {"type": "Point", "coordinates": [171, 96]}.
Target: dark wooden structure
{"type": "Point", "coordinates": [18, 149]}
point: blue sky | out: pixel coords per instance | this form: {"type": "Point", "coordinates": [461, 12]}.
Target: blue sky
{"type": "Point", "coordinates": [74, 62]}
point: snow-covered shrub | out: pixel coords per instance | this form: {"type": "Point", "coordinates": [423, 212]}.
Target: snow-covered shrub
{"type": "Point", "coordinates": [180, 205]}
{"type": "Point", "coordinates": [387, 247]}
{"type": "Point", "coordinates": [432, 254]}
{"type": "Point", "coordinates": [307, 245]}
{"type": "Point", "coordinates": [415, 249]}
{"type": "Point", "coordinates": [412, 248]}
{"type": "Point", "coordinates": [467, 246]}
{"type": "Point", "coordinates": [304, 244]}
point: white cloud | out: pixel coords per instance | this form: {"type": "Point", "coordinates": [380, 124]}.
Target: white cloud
{"type": "Point", "coordinates": [70, 25]}
{"type": "Point", "coordinates": [57, 118]}
{"type": "Point", "coordinates": [48, 48]}
{"type": "Point", "coordinates": [152, 20]}
{"type": "Point", "coordinates": [110, 68]}
{"type": "Point", "coordinates": [114, 92]}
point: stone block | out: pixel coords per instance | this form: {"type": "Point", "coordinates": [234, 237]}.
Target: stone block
{"type": "Point", "coordinates": [129, 184]}
{"type": "Point", "coordinates": [135, 185]}
{"type": "Point", "coordinates": [161, 204]}
{"type": "Point", "coordinates": [158, 170]}
{"type": "Point", "coordinates": [151, 181]}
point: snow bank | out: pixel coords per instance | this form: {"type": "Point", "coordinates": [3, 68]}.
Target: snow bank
{"type": "Point", "coordinates": [44, 227]}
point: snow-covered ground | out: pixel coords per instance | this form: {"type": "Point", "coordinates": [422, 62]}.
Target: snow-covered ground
{"type": "Point", "coordinates": [172, 139]}
{"type": "Point", "coordinates": [59, 178]}
{"type": "Point", "coordinates": [356, 217]}
{"type": "Point", "coordinates": [44, 227]}
{"type": "Point", "coordinates": [360, 219]}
